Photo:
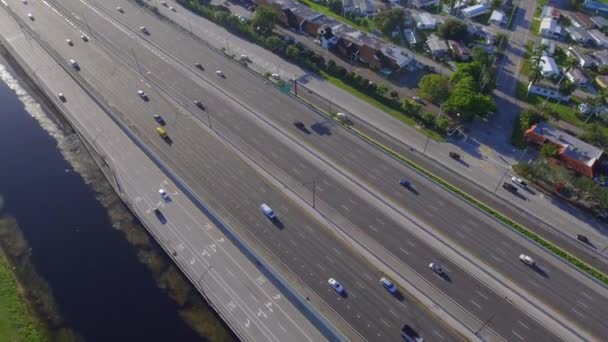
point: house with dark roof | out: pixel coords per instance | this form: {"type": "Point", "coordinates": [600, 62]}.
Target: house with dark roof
{"type": "Point", "coordinates": [583, 60]}
{"type": "Point", "coordinates": [572, 152]}
{"type": "Point", "coordinates": [581, 20]}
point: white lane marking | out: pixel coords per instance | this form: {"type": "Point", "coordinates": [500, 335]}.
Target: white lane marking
{"type": "Point", "coordinates": [352, 201]}
{"type": "Point", "coordinates": [533, 282]}
{"type": "Point", "coordinates": [481, 295]}
{"type": "Point", "coordinates": [411, 243]}
{"type": "Point", "coordinates": [459, 234]}
{"type": "Point", "coordinates": [523, 325]}
{"type": "Point", "coordinates": [321, 267]}
{"type": "Point", "coordinates": [345, 207]}
{"type": "Point", "coordinates": [404, 251]}
{"type": "Point", "coordinates": [383, 321]}
{"type": "Point", "coordinates": [296, 171]}
{"type": "Point", "coordinates": [308, 227]}
{"type": "Point", "coordinates": [474, 303]}
{"type": "Point", "coordinates": [293, 242]}
{"type": "Point", "coordinates": [380, 221]}
{"type": "Point", "coordinates": [368, 276]}
{"type": "Point", "coordinates": [508, 245]}
{"type": "Point", "coordinates": [394, 314]}
{"type": "Point", "coordinates": [474, 224]}
{"type": "Point", "coordinates": [438, 334]}
{"type": "Point", "coordinates": [496, 258]}
{"type": "Point", "coordinates": [582, 304]}
{"type": "Point", "coordinates": [586, 295]}
{"type": "Point", "coordinates": [577, 312]}
{"type": "Point", "coordinates": [337, 251]}
{"type": "Point", "coordinates": [301, 235]}
{"type": "Point", "coordinates": [516, 334]}
{"type": "Point", "coordinates": [434, 208]}
{"type": "Point", "coordinates": [330, 259]}
{"type": "Point", "coordinates": [360, 284]}
{"type": "Point", "coordinates": [372, 228]}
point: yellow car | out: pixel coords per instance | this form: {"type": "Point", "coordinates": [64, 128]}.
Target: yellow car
{"type": "Point", "coordinates": [162, 132]}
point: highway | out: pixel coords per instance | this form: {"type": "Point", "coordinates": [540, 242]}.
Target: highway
{"type": "Point", "coordinates": [235, 191]}
{"type": "Point", "coordinates": [380, 172]}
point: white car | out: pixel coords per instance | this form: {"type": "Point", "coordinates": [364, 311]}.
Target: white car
{"type": "Point", "coordinates": [388, 285]}
{"type": "Point", "coordinates": [336, 285]}
{"type": "Point", "coordinates": [519, 182]}
{"type": "Point", "coordinates": [142, 94]}
{"type": "Point", "coordinates": [163, 194]}
{"type": "Point", "coordinates": [527, 260]}
{"type": "Point", "coordinates": [29, 15]}
{"type": "Point", "coordinates": [436, 268]}
{"type": "Point", "coordinates": [164, 3]}
{"type": "Point", "coordinates": [70, 42]}
{"type": "Point", "coordinates": [171, 8]}
{"type": "Point", "coordinates": [144, 30]}
{"type": "Point", "coordinates": [418, 99]}
{"type": "Point", "coordinates": [74, 64]}
{"type": "Point", "coordinates": [84, 38]}
{"type": "Point", "coordinates": [219, 73]}
{"type": "Point", "coordinates": [119, 9]}
{"type": "Point", "coordinates": [276, 76]}
{"type": "Point", "coordinates": [61, 97]}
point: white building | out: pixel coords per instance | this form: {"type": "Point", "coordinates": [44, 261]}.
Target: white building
{"type": "Point", "coordinates": [549, 28]}
{"type": "Point", "coordinates": [599, 38]}
{"type": "Point", "coordinates": [425, 3]}
{"type": "Point", "coordinates": [577, 77]}
{"type": "Point", "coordinates": [547, 92]}
{"type": "Point", "coordinates": [549, 46]}
{"type": "Point", "coordinates": [549, 67]}
{"type": "Point", "coordinates": [498, 18]}
{"type": "Point", "coordinates": [583, 60]}
{"type": "Point", "coordinates": [425, 21]}
{"type": "Point", "coordinates": [475, 11]}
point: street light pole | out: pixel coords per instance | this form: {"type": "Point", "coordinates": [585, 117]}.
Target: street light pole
{"type": "Point", "coordinates": [313, 193]}
{"type": "Point", "coordinates": [484, 324]}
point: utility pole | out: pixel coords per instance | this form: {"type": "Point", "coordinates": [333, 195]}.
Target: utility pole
{"type": "Point", "coordinates": [136, 61]}
{"type": "Point", "coordinates": [209, 120]}
{"type": "Point", "coordinates": [484, 324]}
{"type": "Point", "coordinates": [295, 85]}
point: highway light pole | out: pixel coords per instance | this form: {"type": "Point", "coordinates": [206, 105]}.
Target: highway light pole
{"type": "Point", "coordinates": [136, 61]}
{"type": "Point", "coordinates": [484, 324]}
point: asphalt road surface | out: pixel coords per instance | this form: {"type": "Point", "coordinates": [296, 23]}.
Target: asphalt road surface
{"type": "Point", "coordinates": [369, 166]}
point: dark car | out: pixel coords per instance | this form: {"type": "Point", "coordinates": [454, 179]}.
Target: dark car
{"type": "Point", "coordinates": [160, 119]}
{"type": "Point", "coordinates": [199, 66]}
{"type": "Point", "coordinates": [582, 238]}
{"type": "Point", "coordinates": [160, 216]}
{"type": "Point", "coordinates": [299, 124]}
{"type": "Point", "coordinates": [454, 155]}
{"type": "Point", "coordinates": [410, 335]}
{"type": "Point", "coordinates": [509, 187]}
{"type": "Point", "coordinates": [404, 182]}
{"type": "Point", "coordinates": [199, 104]}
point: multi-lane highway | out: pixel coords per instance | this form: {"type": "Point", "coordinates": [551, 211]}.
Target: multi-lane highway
{"type": "Point", "coordinates": [169, 62]}
{"type": "Point", "coordinates": [303, 250]}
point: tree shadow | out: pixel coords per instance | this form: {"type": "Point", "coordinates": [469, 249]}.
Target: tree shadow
{"type": "Point", "coordinates": [321, 128]}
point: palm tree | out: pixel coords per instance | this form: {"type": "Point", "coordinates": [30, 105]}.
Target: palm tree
{"type": "Point", "coordinates": [569, 65]}
{"type": "Point", "coordinates": [536, 74]}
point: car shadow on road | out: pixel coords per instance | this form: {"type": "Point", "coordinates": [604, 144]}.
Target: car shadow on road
{"type": "Point", "coordinates": [277, 223]}
{"type": "Point", "coordinates": [540, 271]}
{"type": "Point", "coordinates": [412, 189]}
{"type": "Point", "coordinates": [399, 296]}
{"type": "Point", "coordinates": [321, 128]}
{"type": "Point", "coordinates": [445, 277]}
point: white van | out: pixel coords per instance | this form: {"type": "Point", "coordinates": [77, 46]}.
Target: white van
{"type": "Point", "coordinates": [267, 211]}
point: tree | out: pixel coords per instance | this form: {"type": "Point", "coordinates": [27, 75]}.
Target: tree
{"type": "Point", "coordinates": [536, 74]}
{"type": "Point", "coordinates": [480, 54]}
{"type": "Point", "coordinates": [394, 95]}
{"type": "Point", "coordinates": [496, 4]}
{"type": "Point", "coordinates": [453, 29]}
{"type": "Point", "coordinates": [548, 151]}
{"type": "Point", "coordinates": [335, 6]}
{"type": "Point", "coordinates": [410, 107]}
{"type": "Point", "coordinates": [428, 119]}
{"type": "Point", "coordinates": [292, 51]}
{"type": "Point", "coordinates": [442, 123]}
{"type": "Point", "coordinates": [273, 42]}
{"type": "Point", "coordinates": [465, 100]}
{"type": "Point", "coordinates": [434, 87]}
{"type": "Point", "coordinates": [603, 69]}
{"type": "Point", "coordinates": [567, 88]}
{"type": "Point", "coordinates": [389, 21]}
{"type": "Point", "coordinates": [381, 89]}
{"type": "Point", "coordinates": [467, 70]}
{"type": "Point", "coordinates": [264, 20]}
{"type": "Point", "coordinates": [595, 135]}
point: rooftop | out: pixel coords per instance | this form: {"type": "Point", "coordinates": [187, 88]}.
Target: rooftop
{"type": "Point", "coordinates": [425, 19]}
{"type": "Point", "coordinates": [498, 16]}
{"type": "Point", "coordinates": [600, 21]}
{"type": "Point", "coordinates": [571, 146]}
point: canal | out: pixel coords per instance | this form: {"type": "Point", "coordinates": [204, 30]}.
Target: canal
{"type": "Point", "coordinates": [97, 272]}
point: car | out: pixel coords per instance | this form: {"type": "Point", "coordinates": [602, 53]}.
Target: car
{"type": "Point", "coordinates": [343, 118]}
{"type": "Point", "coordinates": [275, 76]}
{"type": "Point", "coordinates": [70, 42]}
{"type": "Point", "coordinates": [509, 187]}
{"type": "Point", "coordinates": [199, 104]}
{"type": "Point", "coordinates": [84, 38]}
{"type": "Point", "coordinates": [199, 66]}
{"type": "Point", "coordinates": [164, 3]}
{"type": "Point", "coordinates": [404, 182]}
{"type": "Point", "coordinates": [171, 8]}
{"type": "Point", "coordinates": [299, 124]}
{"type": "Point", "coordinates": [317, 41]}
{"type": "Point", "coordinates": [336, 285]}
{"type": "Point", "coordinates": [143, 95]}
{"type": "Point", "coordinates": [418, 99]}
{"type": "Point", "coordinates": [519, 182]}
{"type": "Point", "coordinates": [74, 64]}
{"type": "Point", "coordinates": [24, 2]}
{"type": "Point", "coordinates": [582, 238]}
{"type": "Point", "coordinates": [220, 73]}
{"type": "Point", "coordinates": [436, 268]}
{"type": "Point", "coordinates": [162, 132]}
{"type": "Point", "coordinates": [119, 9]}
{"type": "Point", "coordinates": [144, 30]}
{"type": "Point", "coordinates": [163, 194]}
{"type": "Point", "coordinates": [31, 16]}
{"type": "Point", "coordinates": [267, 210]}
{"type": "Point", "coordinates": [454, 155]}
{"type": "Point", "coordinates": [388, 285]}
{"type": "Point", "coordinates": [160, 216]}
{"type": "Point", "coordinates": [410, 335]}
{"type": "Point", "coordinates": [159, 119]}
{"type": "Point", "coordinates": [244, 58]}
{"type": "Point", "coordinates": [61, 97]}
{"type": "Point", "coordinates": [527, 260]}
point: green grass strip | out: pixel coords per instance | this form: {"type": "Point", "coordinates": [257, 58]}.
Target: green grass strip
{"type": "Point", "coordinates": [16, 321]}
{"type": "Point", "coordinates": [472, 200]}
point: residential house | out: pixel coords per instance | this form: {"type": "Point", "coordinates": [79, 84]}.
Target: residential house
{"type": "Point", "coordinates": [425, 3]}
{"type": "Point", "coordinates": [327, 37]}
{"type": "Point", "coordinates": [293, 14]}
{"type": "Point", "coordinates": [600, 22]}
{"type": "Point", "coordinates": [425, 21]}
{"type": "Point", "coordinates": [600, 57]}
{"type": "Point", "coordinates": [573, 153]}
{"type": "Point", "coordinates": [475, 11]}
{"type": "Point", "coordinates": [595, 6]}
{"type": "Point", "coordinates": [498, 18]}
{"type": "Point", "coordinates": [348, 6]}
{"type": "Point", "coordinates": [549, 46]}
{"type": "Point", "coordinates": [549, 28]}
{"type": "Point", "coordinates": [550, 12]}
{"type": "Point", "coordinates": [581, 20]}
{"type": "Point", "coordinates": [459, 51]}
{"type": "Point", "coordinates": [437, 46]}
{"type": "Point", "coordinates": [602, 81]}
{"type": "Point", "coordinates": [598, 38]}
{"type": "Point", "coordinates": [583, 60]}
{"type": "Point", "coordinates": [549, 68]}
{"type": "Point", "coordinates": [578, 35]}
{"type": "Point", "coordinates": [363, 7]}
{"type": "Point", "coordinates": [576, 76]}
{"type": "Point", "coordinates": [547, 92]}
